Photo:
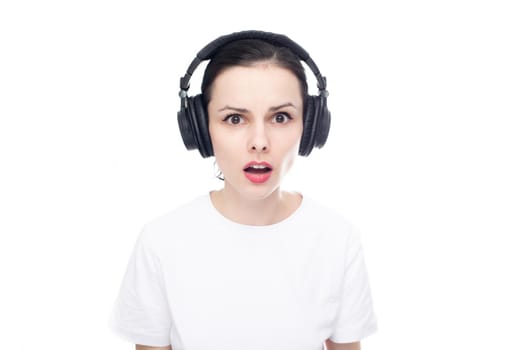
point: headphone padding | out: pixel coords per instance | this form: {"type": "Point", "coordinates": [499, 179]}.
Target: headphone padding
{"type": "Point", "coordinates": [307, 139]}
{"type": "Point", "coordinates": [200, 117]}
{"type": "Point", "coordinates": [324, 121]}
{"type": "Point", "coordinates": [186, 129]}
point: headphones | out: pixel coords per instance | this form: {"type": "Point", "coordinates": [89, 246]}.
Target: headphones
{"type": "Point", "coordinates": [193, 116]}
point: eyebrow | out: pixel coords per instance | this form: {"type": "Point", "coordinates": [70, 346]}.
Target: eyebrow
{"type": "Point", "coordinates": [271, 109]}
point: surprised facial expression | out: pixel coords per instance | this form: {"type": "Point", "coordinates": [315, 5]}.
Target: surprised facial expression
{"type": "Point", "coordinates": [255, 122]}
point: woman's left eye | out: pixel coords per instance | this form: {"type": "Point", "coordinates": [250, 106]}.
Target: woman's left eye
{"type": "Point", "coordinates": [282, 118]}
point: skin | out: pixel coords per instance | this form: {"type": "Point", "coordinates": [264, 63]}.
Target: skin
{"type": "Point", "coordinates": [248, 121]}
{"type": "Point", "coordinates": [342, 346]}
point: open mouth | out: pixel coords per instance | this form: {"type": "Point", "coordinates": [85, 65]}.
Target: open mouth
{"type": "Point", "coordinates": [258, 173]}
{"type": "Point", "coordinates": [256, 169]}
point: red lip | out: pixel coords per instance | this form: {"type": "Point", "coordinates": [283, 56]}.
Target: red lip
{"type": "Point", "coordinates": [258, 178]}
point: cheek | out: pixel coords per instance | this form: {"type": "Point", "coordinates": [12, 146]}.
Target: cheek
{"type": "Point", "coordinates": [288, 161]}
{"type": "Point", "coordinates": [291, 150]}
{"type": "Point", "coordinates": [224, 148]}
{"type": "Point", "coordinates": [217, 137]}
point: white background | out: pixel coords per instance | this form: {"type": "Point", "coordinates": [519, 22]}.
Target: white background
{"type": "Point", "coordinates": [426, 156]}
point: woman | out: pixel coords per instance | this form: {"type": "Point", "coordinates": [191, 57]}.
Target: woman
{"type": "Point", "coordinates": [250, 266]}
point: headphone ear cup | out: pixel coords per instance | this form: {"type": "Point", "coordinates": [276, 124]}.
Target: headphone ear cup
{"type": "Point", "coordinates": [186, 128]}
{"type": "Point", "coordinates": [307, 139]}
{"type": "Point", "coordinates": [316, 125]}
{"type": "Point", "coordinates": [200, 120]}
{"type": "Point", "coordinates": [323, 121]}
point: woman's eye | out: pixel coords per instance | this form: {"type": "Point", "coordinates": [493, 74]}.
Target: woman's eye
{"type": "Point", "coordinates": [282, 118]}
{"type": "Point", "coordinates": [233, 119]}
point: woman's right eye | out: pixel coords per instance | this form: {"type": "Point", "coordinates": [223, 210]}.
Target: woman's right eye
{"type": "Point", "coordinates": [233, 119]}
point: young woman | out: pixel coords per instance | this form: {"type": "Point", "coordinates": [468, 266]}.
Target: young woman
{"type": "Point", "coordinates": [250, 266]}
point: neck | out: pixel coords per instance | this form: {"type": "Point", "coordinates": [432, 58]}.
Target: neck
{"type": "Point", "coordinates": [253, 211]}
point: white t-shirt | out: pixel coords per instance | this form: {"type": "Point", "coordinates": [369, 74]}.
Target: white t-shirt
{"type": "Point", "coordinates": [199, 281]}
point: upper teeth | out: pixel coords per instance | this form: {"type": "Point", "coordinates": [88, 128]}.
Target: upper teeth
{"type": "Point", "coordinates": [256, 166]}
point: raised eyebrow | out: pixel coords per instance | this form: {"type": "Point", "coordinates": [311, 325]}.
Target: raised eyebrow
{"type": "Point", "coordinates": [287, 104]}
{"type": "Point", "coordinates": [244, 110]}
{"type": "Point", "coordinates": [240, 110]}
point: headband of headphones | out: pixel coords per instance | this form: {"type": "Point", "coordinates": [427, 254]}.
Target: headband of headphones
{"type": "Point", "coordinates": [275, 39]}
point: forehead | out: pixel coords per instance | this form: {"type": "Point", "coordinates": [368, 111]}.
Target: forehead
{"type": "Point", "coordinates": [260, 82]}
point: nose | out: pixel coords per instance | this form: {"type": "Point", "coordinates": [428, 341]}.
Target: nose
{"type": "Point", "coordinates": [259, 141]}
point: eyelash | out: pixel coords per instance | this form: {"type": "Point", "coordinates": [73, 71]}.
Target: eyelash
{"type": "Point", "coordinates": [229, 116]}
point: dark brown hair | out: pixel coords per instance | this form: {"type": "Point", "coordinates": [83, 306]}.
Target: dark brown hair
{"type": "Point", "coordinates": [247, 52]}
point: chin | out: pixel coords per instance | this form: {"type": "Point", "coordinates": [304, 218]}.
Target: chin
{"type": "Point", "coordinates": [257, 192]}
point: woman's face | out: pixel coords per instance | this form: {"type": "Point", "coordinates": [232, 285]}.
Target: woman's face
{"type": "Point", "coordinates": [255, 115]}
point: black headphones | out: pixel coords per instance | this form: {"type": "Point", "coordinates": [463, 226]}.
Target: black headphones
{"type": "Point", "coordinates": [193, 116]}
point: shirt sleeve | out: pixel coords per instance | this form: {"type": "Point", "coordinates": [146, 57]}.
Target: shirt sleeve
{"type": "Point", "coordinates": [140, 313]}
{"type": "Point", "coordinates": [356, 318]}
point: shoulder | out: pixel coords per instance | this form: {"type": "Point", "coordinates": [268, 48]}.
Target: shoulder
{"type": "Point", "coordinates": [176, 221]}
{"type": "Point", "coordinates": [329, 218]}
{"type": "Point", "coordinates": [321, 210]}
